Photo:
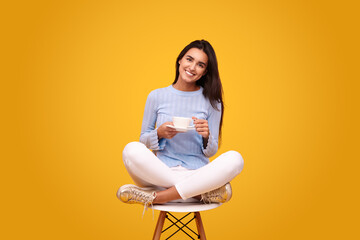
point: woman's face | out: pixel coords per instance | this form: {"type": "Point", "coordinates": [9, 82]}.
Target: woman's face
{"type": "Point", "coordinates": [192, 65]}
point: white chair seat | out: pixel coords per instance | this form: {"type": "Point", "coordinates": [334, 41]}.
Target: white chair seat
{"type": "Point", "coordinates": [185, 207]}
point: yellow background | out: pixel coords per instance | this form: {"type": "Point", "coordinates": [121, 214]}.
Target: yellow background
{"type": "Point", "coordinates": [74, 79]}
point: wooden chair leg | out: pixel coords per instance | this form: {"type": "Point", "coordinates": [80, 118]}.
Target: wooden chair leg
{"type": "Point", "coordinates": [200, 226]}
{"type": "Point", "coordinates": [159, 225]}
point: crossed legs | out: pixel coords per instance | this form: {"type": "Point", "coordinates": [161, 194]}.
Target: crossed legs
{"type": "Point", "coordinates": [178, 183]}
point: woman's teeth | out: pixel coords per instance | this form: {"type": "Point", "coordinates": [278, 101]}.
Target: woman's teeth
{"type": "Point", "coordinates": [189, 73]}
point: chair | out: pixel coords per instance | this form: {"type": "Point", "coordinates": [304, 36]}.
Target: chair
{"type": "Point", "coordinates": [187, 208]}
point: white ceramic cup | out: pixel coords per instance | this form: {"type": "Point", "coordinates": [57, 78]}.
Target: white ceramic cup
{"type": "Point", "coordinates": [182, 122]}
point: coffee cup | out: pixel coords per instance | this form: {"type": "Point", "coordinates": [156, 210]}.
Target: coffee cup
{"type": "Point", "coordinates": [181, 122]}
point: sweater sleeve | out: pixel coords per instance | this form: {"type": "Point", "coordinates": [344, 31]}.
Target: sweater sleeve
{"type": "Point", "coordinates": [148, 134]}
{"type": "Point", "coordinates": [214, 122]}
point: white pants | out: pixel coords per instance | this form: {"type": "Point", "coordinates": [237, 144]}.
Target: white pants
{"type": "Point", "coordinates": [147, 170]}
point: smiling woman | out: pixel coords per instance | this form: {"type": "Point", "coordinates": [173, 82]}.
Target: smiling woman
{"type": "Point", "coordinates": [191, 68]}
{"type": "Point", "coordinates": [181, 168]}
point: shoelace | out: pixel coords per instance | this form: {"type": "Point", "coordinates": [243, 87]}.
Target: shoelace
{"type": "Point", "coordinates": [142, 197]}
{"type": "Point", "coordinates": [209, 197]}
{"type": "Point", "coordinates": [145, 198]}
{"type": "Point", "coordinates": [147, 203]}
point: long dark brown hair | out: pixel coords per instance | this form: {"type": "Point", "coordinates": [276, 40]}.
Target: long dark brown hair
{"type": "Point", "coordinates": [210, 82]}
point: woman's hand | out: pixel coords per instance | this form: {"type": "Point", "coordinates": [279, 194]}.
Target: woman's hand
{"type": "Point", "coordinates": [166, 132]}
{"type": "Point", "coordinates": [202, 127]}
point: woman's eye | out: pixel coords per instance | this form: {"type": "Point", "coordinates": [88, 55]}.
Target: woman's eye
{"type": "Point", "coordinates": [189, 59]}
{"type": "Point", "coordinates": [200, 65]}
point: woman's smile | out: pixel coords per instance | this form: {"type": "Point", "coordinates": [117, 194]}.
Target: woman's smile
{"type": "Point", "coordinates": [189, 73]}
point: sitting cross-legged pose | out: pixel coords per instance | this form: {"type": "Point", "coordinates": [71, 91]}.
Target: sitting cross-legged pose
{"type": "Point", "coordinates": [171, 163]}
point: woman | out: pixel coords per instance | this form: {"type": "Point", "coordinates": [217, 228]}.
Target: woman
{"type": "Point", "coordinates": [181, 169]}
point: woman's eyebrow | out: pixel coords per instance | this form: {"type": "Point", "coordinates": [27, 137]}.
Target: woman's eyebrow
{"type": "Point", "coordinates": [193, 58]}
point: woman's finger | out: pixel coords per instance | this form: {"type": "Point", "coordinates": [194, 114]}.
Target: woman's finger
{"type": "Point", "coordinates": [202, 129]}
{"type": "Point", "coordinates": [201, 122]}
{"type": "Point", "coordinates": [202, 125]}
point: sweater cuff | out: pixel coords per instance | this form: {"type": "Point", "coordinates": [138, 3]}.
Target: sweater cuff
{"type": "Point", "coordinates": [155, 143]}
{"type": "Point", "coordinates": [211, 147]}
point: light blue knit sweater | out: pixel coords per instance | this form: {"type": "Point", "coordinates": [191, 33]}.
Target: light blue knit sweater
{"type": "Point", "coordinates": [185, 149]}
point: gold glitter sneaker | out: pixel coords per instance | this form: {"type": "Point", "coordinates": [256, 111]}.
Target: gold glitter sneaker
{"type": "Point", "coordinates": [219, 195]}
{"type": "Point", "coordinates": [133, 194]}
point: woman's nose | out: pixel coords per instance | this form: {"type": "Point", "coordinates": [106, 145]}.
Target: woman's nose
{"type": "Point", "coordinates": [192, 66]}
